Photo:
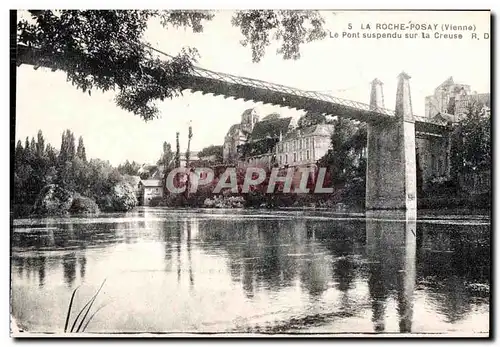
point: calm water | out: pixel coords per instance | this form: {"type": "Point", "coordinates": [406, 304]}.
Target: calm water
{"type": "Point", "coordinates": [254, 271]}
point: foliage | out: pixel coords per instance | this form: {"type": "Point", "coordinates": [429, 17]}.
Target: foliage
{"type": "Point", "coordinates": [471, 142]}
{"type": "Point", "coordinates": [80, 151]}
{"type": "Point", "coordinates": [255, 148]}
{"type": "Point", "coordinates": [177, 160]}
{"type": "Point", "coordinates": [53, 200]}
{"type": "Point", "coordinates": [215, 150]}
{"type": "Point", "coordinates": [129, 168]}
{"type": "Point", "coordinates": [84, 310]}
{"type": "Point", "coordinates": [345, 160]}
{"type": "Point", "coordinates": [271, 116]}
{"type": "Point", "coordinates": [35, 166]}
{"type": "Point", "coordinates": [104, 49]}
{"type": "Point", "coordinates": [155, 201]}
{"type": "Point", "coordinates": [167, 156]}
{"type": "Point", "coordinates": [120, 198]}
{"type": "Point", "coordinates": [310, 119]}
{"type": "Point", "coordinates": [41, 173]}
{"type": "Point", "coordinates": [83, 204]}
{"type": "Point", "coordinates": [290, 28]}
{"type": "Point", "coordinates": [188, 151]}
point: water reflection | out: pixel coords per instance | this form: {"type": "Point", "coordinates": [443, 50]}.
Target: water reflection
{"type": "Point", "coordinates": [391, 249]}
{"type": "Point", "coordinates": [257, 272]}
{"type": "Point", "coordinates": [454, 267]}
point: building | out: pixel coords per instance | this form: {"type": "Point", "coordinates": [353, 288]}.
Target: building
{"type": "Point", "coordinates": [304, 146]}
{"type": "Point", "coordinates": [452, 99]}
{"type": "Point", "coordinates": [448, 104]}
{"type": "Point", "coordinates": [237, 135]}
{"type": "Point", "coordinates": [149, 189]}
{"type": "Point", "coordinates": [283, 142]}
{"type": "Point", "coordinates": [259, 149]}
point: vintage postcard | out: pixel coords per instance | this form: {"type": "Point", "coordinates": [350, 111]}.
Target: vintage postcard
{"type": "Point", "coordinates": [250, 173]}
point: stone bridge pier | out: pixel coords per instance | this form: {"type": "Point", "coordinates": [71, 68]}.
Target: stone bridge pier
{"type": "Point", "coordinates": [391, 160]}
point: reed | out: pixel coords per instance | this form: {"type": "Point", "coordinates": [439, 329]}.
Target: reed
{"type": "Point", "coordinates": [79, 323]}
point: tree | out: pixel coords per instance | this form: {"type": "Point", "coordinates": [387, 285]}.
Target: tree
{"type": "Point", "coordinates": [177, 151]}
{"type": "Point", "coordinates": [33, 147]}
{"type": "Point", "coordinates": [471, 142]}
{"type": "Point", "coordinates": [129, 168]}
{"type": "Point", "coordinates": [18, 154]}
{"type": "Point", "coordinates": [40, 145]}
{"type": "Point", "coordinates": [212, 150]}
{"type": "Point", "coordinates": [188, 150]}
{"type": "Point", "coordinates": [167, 158]}
{"type": "Point", "coordinates": [290, 28]}
{"type": "Point", "coordinates": [80, 151]}
{"type": "Point", "coordinates": [67, 152]}
{"type": "Point", "coordinates": [104, 49]}
{"type": "Point", "coordinates": [345, 159]}
{"type": "Point", "coordinates": [311, 119]}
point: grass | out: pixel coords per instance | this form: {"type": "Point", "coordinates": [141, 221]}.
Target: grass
{"type": "Point", "coordinates": [79, 323]}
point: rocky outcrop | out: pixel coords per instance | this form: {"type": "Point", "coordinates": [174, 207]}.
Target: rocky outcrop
{"type": "Point", "coordinates": [53, 200]}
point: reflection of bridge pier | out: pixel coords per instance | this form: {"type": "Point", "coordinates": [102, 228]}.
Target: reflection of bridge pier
{"type": "Point", "coordinates": [391, 250]}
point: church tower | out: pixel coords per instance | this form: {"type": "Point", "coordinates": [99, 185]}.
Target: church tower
{"type": "Point", "coordinates": [248, 120]}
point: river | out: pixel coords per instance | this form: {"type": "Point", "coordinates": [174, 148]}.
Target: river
{"type": "Point", "coordinates": [254, 271]}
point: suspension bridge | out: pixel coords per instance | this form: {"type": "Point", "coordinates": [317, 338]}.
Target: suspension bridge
{"type": "Point", "coordinates": [391, 167]}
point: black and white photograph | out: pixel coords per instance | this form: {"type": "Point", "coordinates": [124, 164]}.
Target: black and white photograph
{"type": "Point", "coordinates": [250, 173]}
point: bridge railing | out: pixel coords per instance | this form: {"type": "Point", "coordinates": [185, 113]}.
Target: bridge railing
{"type": "Point", "coordinates": [256, 83]}
{"type": "Point", "coordinates": [252, 82]}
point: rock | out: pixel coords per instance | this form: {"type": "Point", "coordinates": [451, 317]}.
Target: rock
{"type": "Point", "coordinates": [82, 204]}
{"type": "Point", "coordinates": [53, 200]}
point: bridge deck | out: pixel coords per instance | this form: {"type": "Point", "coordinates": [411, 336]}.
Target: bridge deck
{"type": "Point", "coordinates": [217, 83]}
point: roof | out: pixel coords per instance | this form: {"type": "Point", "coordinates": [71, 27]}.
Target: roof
{"type": "Point", "coordinates": [270, 128]}
{"type": "Point", "coordinates": [317, 129]}
{"type": "Point", "coordinates": [151, 183]}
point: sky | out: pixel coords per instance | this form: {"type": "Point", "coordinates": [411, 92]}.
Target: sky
{"type": "Point", "coordinates": [340, 67]}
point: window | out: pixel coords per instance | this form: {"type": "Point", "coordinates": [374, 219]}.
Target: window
{"type": "Point", "coordinates": [286, 158]}
{"type": "Point", "coordinates": [307, 143]}
{"type": "Point", "coordinates": [300, 156]}
{"type": "Point", "coordinates": [294, 157]}
{"type": "Point", "coordinates": [308, 155]}
{"type": "Point", "coordinates": [300, 143]}
{"type": "Point", "coordinates": [295, 145]}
